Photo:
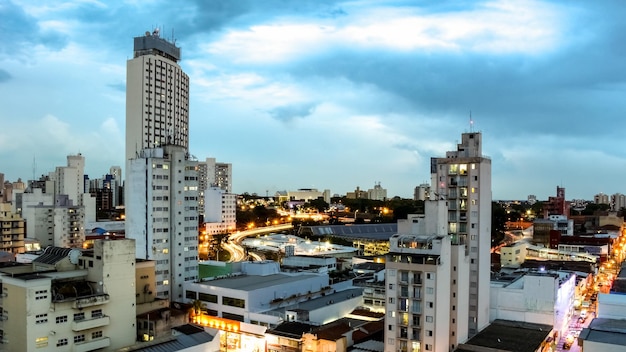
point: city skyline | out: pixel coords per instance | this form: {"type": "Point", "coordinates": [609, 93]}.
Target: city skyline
{"type": "Point", "coordinates": [330, 95]}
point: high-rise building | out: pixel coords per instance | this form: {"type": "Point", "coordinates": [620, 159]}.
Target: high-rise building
{"type": "Point", "coordinates": [421, 192]}
{"type": "Point", "coordinates": [161, 188]}
{"type": "Point", "coordinates": [162, 215]}
{"type": "Point", "coordinates": [215, 174]}
{"type": "Point", "coordinates": [212, 174]}
{"type": "Point", "coordinates": [12, 226]}
{"type": "Point", "coordinates": [463, 177]}
{"type": "Point", "coordinates": [377, 193]}
{"type": "Point", "coordinates": [157, 96]}
{"type": "Point", "coordinates": [426, 309]}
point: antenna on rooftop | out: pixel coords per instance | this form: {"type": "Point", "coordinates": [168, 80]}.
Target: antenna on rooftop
{"type": "Point", "coordinates": [34, 168]}
{"type": "Point", "coordinates": [471, 122]}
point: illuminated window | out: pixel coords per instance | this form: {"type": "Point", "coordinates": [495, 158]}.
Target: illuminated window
{"type": "Point", "coordinates": [41, 342]}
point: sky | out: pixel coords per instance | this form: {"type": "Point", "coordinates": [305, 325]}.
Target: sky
{"type": "Point", "coordinates": [331, 94]}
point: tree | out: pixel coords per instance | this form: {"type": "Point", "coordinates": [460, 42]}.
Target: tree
{"type": "Point", "coordinates": [498, 223]}
{"type": "Point", "coordinates": [197, 306]}
{"type": "Point", "coordinates": [319, 204]}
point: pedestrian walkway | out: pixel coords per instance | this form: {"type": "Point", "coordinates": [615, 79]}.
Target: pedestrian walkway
{"type": "Point", "coordinates": [574, 329]}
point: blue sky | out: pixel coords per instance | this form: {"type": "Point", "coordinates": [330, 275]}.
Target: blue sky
{"type": "Point", "coordinates": [331, 94]}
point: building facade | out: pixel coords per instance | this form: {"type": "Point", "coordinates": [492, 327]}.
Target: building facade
{"type": "Point", "coordinates": [426, 310]}
{"type": "Point", "coordinates": [157, 96]}
{"type": "Point", "coordinates": [13, 227]}
{"type": "Point", "coordinates": [463, 177]}
{"type": "Point", "coordinates": [162, 216]}
{"type": "Point", "coordinates": [70, 301]}
{"type": "Point", "coordinates": [377, 193]}
{"type": "Point", "coordinates": [61, 224]}
{"type": "Point", "coordinates": [161, 188]}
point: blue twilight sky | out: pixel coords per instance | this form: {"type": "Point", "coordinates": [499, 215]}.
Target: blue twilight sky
{"type": "Point", "coordinates": [331, 94]}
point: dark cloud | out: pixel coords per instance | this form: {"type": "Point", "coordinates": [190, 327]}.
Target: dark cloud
{"type": "Point", "coordinates": [19, 32]}
{"type": "Point", "coordinates": [4, 76]}
{"type": "Point", "coordinates": [287, 113]}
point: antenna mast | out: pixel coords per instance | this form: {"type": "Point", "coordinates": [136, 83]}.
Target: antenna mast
{"type": "Point", "coordinates": [471, 122]}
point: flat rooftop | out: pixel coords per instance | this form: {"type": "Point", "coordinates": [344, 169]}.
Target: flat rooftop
{"type": "Point", "coordinates": [371, 232]}
{"type": "Point", "coordinates": [255, 282]}
{"type": "Point", "coordinates": [505, 335]}
{"type": "Point", "coordinates": [609, 331]}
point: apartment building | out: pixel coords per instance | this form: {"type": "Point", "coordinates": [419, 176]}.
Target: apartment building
{"type": "Point", "coordinates": [69, 300]}
{"type": "Point", "coordinates": [463, 178]}
{"type": "Point", "coordinates": [426, 309]}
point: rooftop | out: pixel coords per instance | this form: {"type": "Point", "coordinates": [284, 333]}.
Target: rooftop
{"type": "Point", "coordinates": [608, 331]}
{"type": "Point", "coordinates": [254, 282]}
{"type": "Point", "coordinates": [508, 335]}
{"type": "Point", "coordinates": [372, 232]}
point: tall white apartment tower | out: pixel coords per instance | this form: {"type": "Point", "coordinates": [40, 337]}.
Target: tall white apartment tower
{"type": "Point", "coordinates": [215, 174]}
{"type": "Point", "coordinates": [212, 174]}
{"type": "Point", "coordinates": [161, 189]}
{"type": "Point", "coordinates": [157, 96]}
{"type": "Point", "coordinates": [162, 216]}
{"type": "Point", "coordinates": [420, 296]}
{"type": "Point", "coordinates": [463, 178]}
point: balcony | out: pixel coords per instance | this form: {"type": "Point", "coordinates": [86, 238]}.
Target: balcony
{"type": "Point", "coordinates": [80, 325]}
{"type": "Point", "coordinates": [92, 345]}
{"type": "Point", "coordinates": [84, 302]}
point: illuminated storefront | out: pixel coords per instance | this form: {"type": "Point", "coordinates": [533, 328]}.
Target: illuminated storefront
{"type": "Point", "coordinates": [235, 336]}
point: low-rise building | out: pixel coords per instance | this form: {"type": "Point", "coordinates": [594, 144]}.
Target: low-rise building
{"type": "Point", "coordinates": [537, 297]}
{"type": "Point", "coordinates": [243, 305]}
{"type": "Point", "coordinates": [69, 300]}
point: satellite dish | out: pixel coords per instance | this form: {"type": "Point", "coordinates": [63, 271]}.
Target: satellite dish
{"type": "Point", "coordinates": [147, 33]}
{"type": "Point", "coordinates": [74, 254]}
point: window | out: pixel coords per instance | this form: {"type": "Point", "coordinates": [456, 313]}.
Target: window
{"type": "Point", "coordinates": [391, 286]}
{"type": "Point", "coordinates": [61, 319]}
{"type": "Point", "coordinates": [190, 294]}
{"type": "Point", "coordinates": [233, 302]}
{"type": "Point", "coordinates": [430, 290]}
{"type": "Point", "coordinates": [79, 316]}
{"type": "Point", "coordinates": [430, 304]}
{"type": "Point", "coordinates": [391, 300]}
{"type": "Point", "coordinates": [41, 318]}
{"type": "Point", "coordinates": [62, 342]}
{"type": "Point", "coordinates": [41, 341]}
{"type": "Point", "coordinates": [429, 347]}
{"type": "Point", "coordinates": [79, 338]}
{"type": "Point", "coordinates": [96, 334]}
{"type": "Point", "coordinates": [206, 297]}
{"type": "Point", "coordinates": [430, 276]}
{"type": "Point", "coordinates": [404, 276]}
{"type": "Point", "coordinates": [96, 313]}
{"type": "Point", "coordinates": [43, 294]}
{"type": "Point", "coordinates": [390, 327]}
{"type": "Point", "coordinates": [429, 332]}
{"type": "Point", "coordinates": [429, 318]}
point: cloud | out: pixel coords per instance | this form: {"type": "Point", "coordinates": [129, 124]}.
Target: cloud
{"type": "Point", "coordinates": [287, 113]}
{"type": "Point", "coordinates": [21, 32]}
{"type": "Point", "coordinates": [4, 76]}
